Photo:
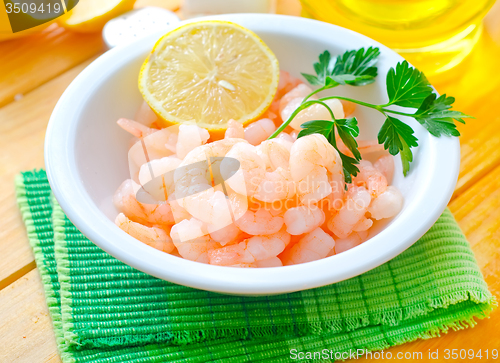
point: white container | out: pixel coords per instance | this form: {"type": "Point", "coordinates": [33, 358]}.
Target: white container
{"type": "Point", "coordinates": [86, 161]}
{"type": "Point", "coordinates": [137, 24]}
{"type": "Point", "coordinates": [193, 8]}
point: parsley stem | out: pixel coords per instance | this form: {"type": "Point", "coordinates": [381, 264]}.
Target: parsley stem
{"type": "Point", "coordinates": [380, 108]}
{"type": "Point", "coordinates": [398, 113]}
{"type": "Point", "coordinates": [330, 86]}
{"type": "Point", "coordinates": [304, 105]}
{"type": "Point", "coordinates": [292, 116]}
{"type": "Point", "coordinates": [377, 107]}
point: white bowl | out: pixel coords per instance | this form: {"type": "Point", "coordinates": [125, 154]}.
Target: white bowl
{"type": "Point", "coordinates": [86, 160]}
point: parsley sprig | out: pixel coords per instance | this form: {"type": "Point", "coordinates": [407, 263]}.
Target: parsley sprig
{"type": "Point", "coordinates": [406, 87]}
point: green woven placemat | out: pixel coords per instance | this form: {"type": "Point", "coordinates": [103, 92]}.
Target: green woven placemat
{"type": "Point", "coordinates": [106, 311]}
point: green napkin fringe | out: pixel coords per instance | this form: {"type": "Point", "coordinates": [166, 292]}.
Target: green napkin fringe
{"type": "Point", "coordinates": [455, 310]}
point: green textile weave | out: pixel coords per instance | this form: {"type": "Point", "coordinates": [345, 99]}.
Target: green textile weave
{"type": "Point", "coordinates": [106, 311]}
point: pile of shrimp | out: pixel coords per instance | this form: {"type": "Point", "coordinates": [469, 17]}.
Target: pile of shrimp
{"type": "Point", "coordinates": [284, 202]}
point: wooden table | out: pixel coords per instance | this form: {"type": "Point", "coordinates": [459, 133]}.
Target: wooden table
{"type": "Point", "coordinates": [34, 72]}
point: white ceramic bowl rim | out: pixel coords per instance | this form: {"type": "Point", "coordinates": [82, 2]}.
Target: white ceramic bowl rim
{"type": "Point", "coordinates": [90, 220]}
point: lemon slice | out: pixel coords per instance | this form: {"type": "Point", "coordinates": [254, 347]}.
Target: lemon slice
{"type": "Point", "coordinates": [208, 73]}
{"type": "Point", "coordinates": [91, 15]}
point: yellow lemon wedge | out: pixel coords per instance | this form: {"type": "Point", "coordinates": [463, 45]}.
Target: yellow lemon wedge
{"type": "Point", "coordinates": [91, 15]}
{"type": "Point", "coordinates": [209, 72]}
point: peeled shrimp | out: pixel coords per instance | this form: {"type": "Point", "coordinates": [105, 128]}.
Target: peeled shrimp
{"type": "Point", "coordinates": [275, 153]}
{"type": "Point", "coordinates": [371, 178]}
{"type": "Point", "coordinates": [259, 223]}
{"type": "Point", "coordinates": [190, 136]}
{"type": "Point", "coordinates": [157, 177]}
{"type": "Point", "coordinates": [153, 144]}
{"type": "Point", "coordinates": [276, 185]}
{"type": "Point", "coordinates": [193, 185]}
{"type": "Point", "coordinates": [363, 225]}
{"type": "Point", "coordinates": [301, 91]}
{"type": "Point", "coordinates": [385, 164]}
{"type": "Point", "coordinates": [314, 165]}
{"type": "Point", "coordinates": [287, 138]}
{"type": "Point", "coordinates": [302, 219]}
{"type": "Point", "coordinates": [314, 112]}
{"type": "Point", "coordinates": [270, 262]}
{"type": "Point", "coordinates": [356, 204]}
{"type": "Point", "coordinates": [286, 83]}
{"type": "Point", "coordinates": [135, 128]}
{"type": "Point", "coordinates": [234, 130]}
{"type": "Point", "coordinates": [344, 244]}
{"type": "Point", "coordinates": [313, 246]}
{"type": "Point", "coordinates": [387, 204]}
{"type": "Point", "coordinates": [258, 131]}
{"type": "Point", "coordinates": [149, 214]}
{"type": "Point", "coordinates": [225, 235]}
{"type": "Point", "coordinates": [349, 107]}
{"type": "Point", "coordinates": [252, 169]}
{"type": "Point", "coordinates": [365, 147]}
{"type": "Point", "coordinates": [192, 241]}
{"type": "Point", "coordinates": [152, 236]}
{"type": "Point", "coordinates": [256, 248]}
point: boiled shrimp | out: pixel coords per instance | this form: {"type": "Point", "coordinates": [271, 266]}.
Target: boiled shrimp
{"type": "Point", "coordinates": [387, 204]}
{"type": "Point", "coordinates": [190, 137]}
{"type": "Point", "coordinates": [276, 185]}
{"type": "Point", "coordinates": [192, 240]}
{"type": "Point", "coordinates": [287, 138]}
{"type": "Point", "coordinates": [312, 246]}
{"type": "Point", "coordinates": [385, 164]}
{"type": "Point", "coordinates": [301, 91]}
{"type": "Point", "coordinates": [286, 83]}
{"type": "Point", "coordinates": [153, 144]}
{"type": "Point", "coordinates": [302, 219]}
{"type": "Point", "coordinates": [356, 204]}
{"type": "Point", "coordinates": [193, 188]}
{"type": "Point", "coordinates": [256, 248]}
{"type": "Point", "coordinates": [152, 236]}
{"type": "Point", "coordinates": [259, 130]}
{"type": "Point", "coordinates": [259, 223]}
{"type": "Point", "coordinates": [252, 169]}
{"type": "Point", "coordinates": [148, 214]}
{"type": "Point", "coordinates": [234, 130]}
{"type": "Point", "coordinates": [225, 235]}
{"type": "Point", "coordinates": [157, 177]}
{"type": "Point", "coordinates": [313, 112]}
{"type": "Point", "coordinates": [365, 147]}
{"type": "Point", "coordinates": [371, 178]}
{"type": "Point", "coordinates": [314, 164]}
{"type": "Point", "coordinates": [270, 262]}
{"type": "Point", "coordinates": [344, 244]}
{"type": "Point", "coordinates": [275, 153]}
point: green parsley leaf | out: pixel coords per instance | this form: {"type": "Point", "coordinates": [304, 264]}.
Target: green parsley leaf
{"type": "Point", "coordinates": [322, 127]}
{"type": "Point", "coordinates": [322, 68]}
{"type": "Point", "coordinates": [407, 86]}
{"type": "Point", "coordinates": [348, 130]}
{"type": "Point", "coordinates": [355, 68]}
{"type": "Point", "coordinates": [436, 116]}
{"type": "Point", "coordinates": [398, 137]}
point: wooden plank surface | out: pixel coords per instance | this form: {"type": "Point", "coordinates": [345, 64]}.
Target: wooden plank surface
{"type": "Point", "coordinates": [29, 62]}
{"type": "Point", "coordinates": [22, 133]}
{"type": "Point", "coordinates": [41, 66]}
{"type": "Point", "coordinates": [26, 333]}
